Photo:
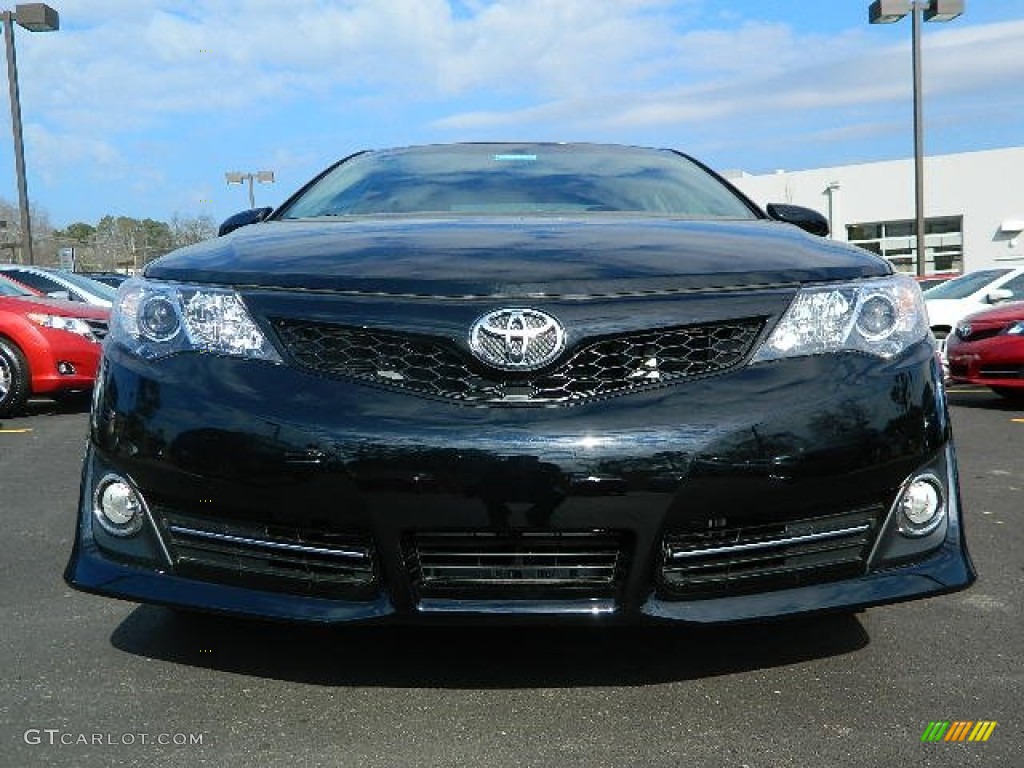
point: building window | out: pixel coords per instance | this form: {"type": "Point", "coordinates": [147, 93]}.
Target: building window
{"type": "Point", "coordinates": [897, 242]}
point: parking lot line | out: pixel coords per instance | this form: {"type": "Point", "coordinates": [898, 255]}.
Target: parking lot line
{"type": "Point", "coordinates": [14, 431]}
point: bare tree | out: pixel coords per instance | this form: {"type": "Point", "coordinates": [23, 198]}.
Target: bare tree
{"type": "Point", "coordinates": [186, 230]}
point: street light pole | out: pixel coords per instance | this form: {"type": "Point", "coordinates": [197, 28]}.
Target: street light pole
{"type": "Point", "coordinates": [915, 45]}
{"type": "Point", "coordinates": [263, 177]}
{"type": "Point", "coordinates": [888, 12]}
{"type": "Point", "coordinates": [35, 17]}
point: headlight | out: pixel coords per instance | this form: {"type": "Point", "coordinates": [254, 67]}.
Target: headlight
{"type": "Point", "coordinates": [878, 317]}
{"type": "Point", "coordinates": [69, 324]}
{"type": "Point", "coordinates": [155, 319]}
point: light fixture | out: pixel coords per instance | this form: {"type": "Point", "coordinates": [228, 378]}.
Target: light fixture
{"type": "Point", "coordinates": [1014, 227]}
{"type": "Point", "coordinates": [237, 177]}
{"type": "Point", "coordinates": [943, 10]}
{"type": "Point", "coordinates": [887, 11]}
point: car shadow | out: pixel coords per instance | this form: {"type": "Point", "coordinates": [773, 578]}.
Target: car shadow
{"type": "Point", "coordinates": [71, 402]}
{"type": "Point", "coordinates": [480, 657]}
{"type": "Point", "coordinates": [982, 399]}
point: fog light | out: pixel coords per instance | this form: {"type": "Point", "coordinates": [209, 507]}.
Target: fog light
{"type": "Point", "coordinates": [922, 506]}
{"type": "Point", "coordinates": [117, 506]}
{"type": "Point", "coordinates": [64, 368]}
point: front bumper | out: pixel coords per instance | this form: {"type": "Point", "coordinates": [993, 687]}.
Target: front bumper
{"type": "Point", "coordinates": [61, 361]}
{"type": "Point", "coordinates": [764, 452]}
{"type": "Point", "coordinates": [997, 361]}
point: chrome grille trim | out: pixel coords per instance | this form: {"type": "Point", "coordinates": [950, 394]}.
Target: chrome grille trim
{"type": "Point", "coordinates": [720, 562]}
{"type": "Point", "coordinates": [774, 543]}
{"type": "Point", "coordinates": [269, 544]}
{"type": "Point", "coordinates": [1001, 371]}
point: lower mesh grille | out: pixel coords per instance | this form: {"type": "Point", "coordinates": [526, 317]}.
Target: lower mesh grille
{"type": "Point", "coordinates": [756, 558]}
{"type": "Point", "coordinates": [280, 558]}
{"type": "Point", "coordinates": [516, 565]}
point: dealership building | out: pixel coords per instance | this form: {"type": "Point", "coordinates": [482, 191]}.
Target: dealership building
{"type": "Point", "coordinates": [974, 206]}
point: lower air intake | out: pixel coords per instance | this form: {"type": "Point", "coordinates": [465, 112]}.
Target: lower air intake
{"type": "Point", "coordinates": [526, 565]}
{"type": "Point", "coordinates": [736, 560]}
{"type": "Point", "coordinates": [280, 558]}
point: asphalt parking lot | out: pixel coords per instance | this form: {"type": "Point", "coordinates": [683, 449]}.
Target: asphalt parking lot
{"type": "Point", "coordinates": [88, 681]}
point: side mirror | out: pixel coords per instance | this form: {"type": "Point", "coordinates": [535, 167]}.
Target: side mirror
{"type": "Point", "coordinates": [998, 294]}
{"type": "Point", "coordinates": [807, 219]}
{"type": "Point", "coordinates": [243, 219]}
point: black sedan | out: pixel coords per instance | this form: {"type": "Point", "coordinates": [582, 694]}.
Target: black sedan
{"type": "Point", "coordinates": [520, 381]}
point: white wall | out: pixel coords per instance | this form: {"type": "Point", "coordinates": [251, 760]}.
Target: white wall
{"type": "Point", "coordinates": [986, 188]}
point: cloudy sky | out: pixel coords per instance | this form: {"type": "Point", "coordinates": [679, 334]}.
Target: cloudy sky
{"type": "Point", "coordinates": [138, 107]}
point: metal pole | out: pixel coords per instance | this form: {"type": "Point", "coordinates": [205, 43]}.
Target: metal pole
{"type": "Point", "coordinates": [252, 196]}
{"type": "Point", "coordinates": [19, 145]}
{"type": "Point", "coordinates": [916, 10]}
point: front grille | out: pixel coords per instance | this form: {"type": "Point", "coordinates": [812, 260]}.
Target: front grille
{"type": "Point", "coordinates": [511, 565]}
{"type": "Point", "coordinates": [977, 334]}
{"type": "Point", "coordinates": [437, 367]}
{"type": "Point", "coordinates": [281, 558]}
{"type": "Point", "coordinates": [98, 328]}
{"type": "Point", "coordinates": [757, 558]}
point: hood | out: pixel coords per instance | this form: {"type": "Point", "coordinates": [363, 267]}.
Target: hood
{"type": "Point", "coordinates": [49, 306]}
{"type": "Point", "coordinates": [1009, 312]}
{"type": "Point", "coordinates": [473, 256]}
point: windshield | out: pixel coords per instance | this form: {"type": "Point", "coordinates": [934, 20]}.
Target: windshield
{"type": "Point", "coordinates": [965, 285]}
{"type": "Point", "coordinates": [8, 288]}
{"type": "Point", "coordinates": [94, 287]}
{"type": "Point", "coordinates": [519, 179]}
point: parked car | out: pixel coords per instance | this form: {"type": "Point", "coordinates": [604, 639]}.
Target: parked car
{"type": "Point", "coordinates": [48, 347]}
{"type": "Point", "coordinates": [974, 291]}
{"type": "Point", "coordinates": [969, 293]}
{"type": "Point", "coordinates": [113, 279]}
{"type": "Point", "coordinates": [520, 381]}
{"type": "Point", "coordinates": [987, 349]}
{"type": "Point", "coordinates": [924, 282]}
{"type": "Point", "coordinates": [59, 283]}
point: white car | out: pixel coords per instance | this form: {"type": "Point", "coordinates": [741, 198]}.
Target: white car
{"type": "Point", "coordinates": [61, 284]}
{"type": "Point", "coordinates": [949, 302]}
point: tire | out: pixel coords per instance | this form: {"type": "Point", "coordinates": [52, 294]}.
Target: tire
{"type": "Point", "coordinates": [14, 379]}
{"type": "Point", "coordinates": [1009, 394]}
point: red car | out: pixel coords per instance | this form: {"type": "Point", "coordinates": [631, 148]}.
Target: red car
{"type": "Point", "coordinates": [987, 348]}
{"type": "Point", "coordinates": [47, 346]}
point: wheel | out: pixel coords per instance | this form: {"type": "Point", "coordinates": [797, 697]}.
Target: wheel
{"type": "Point", "coordinates": [13, 379]}
{"type": "Point", "coordinates": [1008, 393]}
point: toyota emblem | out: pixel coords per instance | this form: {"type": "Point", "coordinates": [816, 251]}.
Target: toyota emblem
{"type": "Point", "coordinates": [517, 339]}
